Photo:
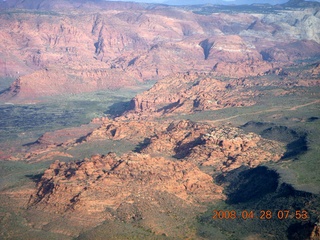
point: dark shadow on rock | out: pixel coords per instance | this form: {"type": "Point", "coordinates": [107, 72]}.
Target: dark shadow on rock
{"type": "Point", "coordinates": [312, 119]}
{"type": "Point", "coordinates": [300, 230]}
{"type": "Point", "coordinates": [266, 56]}
{"type": "Point", "coordinates": [5, 90]}
{"type": "Point", "coordinates": [251, 184]}
{"type": "Point", "coordinates": [142, 145]}
{"type": "Point", "coordinates": [35, 177]}
{"type": "Point", "coordinates": [286, 190]}
{"type": "Point", "coordinates": [296, 148]}
{"type": "Point", "coordinates": [206, 46]}
{"type": "Point", "coordinates": [81, 139]}
{"type": "Point", "coordinates": [257, 191]}
{"type": "Point", "coordinates": [117, 109]}
{"type": "Point", "coordinates": [183, 150]}
{"type": "Point", "coordinates": [296, 141]}
{"type": "Point", "coordinates": [169, 107]}
{"type": "Point", "coordinates": [30, 144]}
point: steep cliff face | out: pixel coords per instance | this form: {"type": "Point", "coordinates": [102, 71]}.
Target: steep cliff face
{"type": "Point", "coordinates": [64, 80]}
{"type": "Point", "coordinates": [189, 92]}
{"type": "Point", "coordinates": [302, 22]}
{"type": "Point", "coordinates": [194, 91]}
{"type": "Point", "coordinates": [128, 43]}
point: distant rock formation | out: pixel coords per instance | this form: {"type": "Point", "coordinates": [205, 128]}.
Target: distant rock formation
{"type": "Point", "coordinates": [193, 91]}
{"type": "Point", "coordinates": [60, 51]}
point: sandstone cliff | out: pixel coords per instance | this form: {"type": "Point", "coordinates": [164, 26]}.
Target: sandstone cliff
{"type": "Point", "coordinates": [193, 91]}
{"type": "Point", "coordinates": [63, 51]}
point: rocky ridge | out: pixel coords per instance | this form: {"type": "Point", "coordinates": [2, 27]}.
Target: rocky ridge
{"type": "Point", "coordinates": [131, 130]}
{"type": "Point", "coordinates": [222, 148]}
{"type": "Point", "coordinates": [171, 171]}
{"type": "Point", "coordinates": [132, 171]}
{"type": "Point", "coordinates": [131, 188]}
{"type": "Point", "coordinates": [193, 91]}
{"type": "Point", "coordinates": [76, 186]}
{"type": "Point", "coordinates": [120, 46]}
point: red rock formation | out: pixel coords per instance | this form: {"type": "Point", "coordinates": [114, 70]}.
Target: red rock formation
{"type": "Point", "coordinates": [55, 53]}
{"type": "Point", "coordinates": [132, 130]}
{"type": "Point", "coordinates": [223, 148]}
{"type": "Point", "coordinates": [315, 235]}
{"type": "Point", "coordinates": [193, 92]}
{"type": "Point", "coordinates": [111, 182]}
{"type": "Point", "coordinates": [290, 51]}
{"type": "Point", "coordinates": [53, 81]}
{"type": "Point", "coordinates": [130, 187]}
{"type": "Point", "coordinates": [140, 187]}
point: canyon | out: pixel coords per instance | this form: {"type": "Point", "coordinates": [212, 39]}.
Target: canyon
{"type": "Point", "coordinates": [53, 52]}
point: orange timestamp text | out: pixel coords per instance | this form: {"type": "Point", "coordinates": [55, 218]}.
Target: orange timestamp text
{"type": "Point", "coordinates": [262, 214]}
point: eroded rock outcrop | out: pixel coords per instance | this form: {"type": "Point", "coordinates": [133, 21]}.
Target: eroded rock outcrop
{"type": "Point", "coordinates": [315, 235]}
{"type": "Point", "coordinates": [131, 130]}
{"type": "Point", "coordinates": [223, 148]}
{"type": "Point", "coordinates": [62, 52]}
{"type": "Point", "coordinates": [109, 183]}
{"type": "Point", "coordinates": [197, 91]}
{"type": "Point", "coordinates": [169, 174]}
{"type": "Point", "coordinates": [193, 92]}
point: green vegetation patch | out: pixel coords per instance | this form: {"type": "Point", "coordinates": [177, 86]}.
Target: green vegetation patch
{"type": "Point", "coordinates": [121, 231]}
{"type": "Point", "coordinates": [18, 174]}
